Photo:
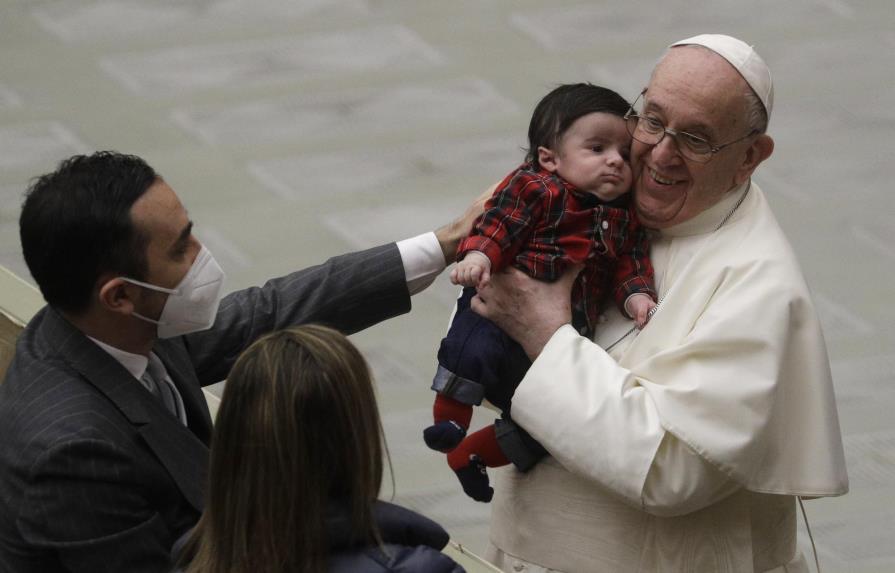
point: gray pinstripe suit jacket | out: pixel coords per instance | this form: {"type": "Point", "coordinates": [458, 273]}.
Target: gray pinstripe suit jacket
{"type": "Point", "coordinates": [95, 475]}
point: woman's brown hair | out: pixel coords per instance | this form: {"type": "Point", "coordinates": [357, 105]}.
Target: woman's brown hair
{"type": "Point", "coordinates": [297, 429]}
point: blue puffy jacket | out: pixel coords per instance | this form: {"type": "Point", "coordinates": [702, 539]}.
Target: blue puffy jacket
{"type": "Point", "coordinates": [412, 543]}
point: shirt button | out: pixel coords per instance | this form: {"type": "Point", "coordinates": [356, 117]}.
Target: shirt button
{"type": "Point", "coordinates": [605, 224]}
{"type": "Point", "coordinates": [517, 566]}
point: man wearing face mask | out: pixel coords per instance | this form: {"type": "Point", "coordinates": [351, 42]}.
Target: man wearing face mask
{"type": "Point", "coordinates": [104, 427]}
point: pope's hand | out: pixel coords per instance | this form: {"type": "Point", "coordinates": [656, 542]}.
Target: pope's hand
{"type": "Point", "coordinates": [528, 310]}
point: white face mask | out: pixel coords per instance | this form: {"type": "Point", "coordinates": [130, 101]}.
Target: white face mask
{"type": "Point", "coordinates": [193, 304]}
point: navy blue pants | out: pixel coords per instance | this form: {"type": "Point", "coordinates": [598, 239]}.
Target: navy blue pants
{"type": "Point", "coordinates": [478, 360]}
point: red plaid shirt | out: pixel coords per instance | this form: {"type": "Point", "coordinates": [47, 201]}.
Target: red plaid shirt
{"type": "Point", "coordinates": [542, 225]}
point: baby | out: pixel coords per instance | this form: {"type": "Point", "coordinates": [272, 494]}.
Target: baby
{"type": "Point", "coordinates": [566, 205]}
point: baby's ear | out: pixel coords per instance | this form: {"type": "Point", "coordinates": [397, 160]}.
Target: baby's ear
{"type": "Point", "coordinates": [547, 159]}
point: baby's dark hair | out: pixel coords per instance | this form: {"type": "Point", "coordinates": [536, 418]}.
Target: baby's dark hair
{"type": "Point", "coordinates": [559, 109]}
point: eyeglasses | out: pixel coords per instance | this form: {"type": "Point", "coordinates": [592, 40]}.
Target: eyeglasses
{"type": "Point", "coordinates": [649, 130]}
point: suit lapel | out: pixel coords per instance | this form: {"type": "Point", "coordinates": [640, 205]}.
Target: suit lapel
{"type": "Point", "coordinates": [180, 451]}
{"type": "Point", "coordinates": [182, 454]}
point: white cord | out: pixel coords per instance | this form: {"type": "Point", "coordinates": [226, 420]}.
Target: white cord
{"type": "Point", "coordinates": [811, 537]}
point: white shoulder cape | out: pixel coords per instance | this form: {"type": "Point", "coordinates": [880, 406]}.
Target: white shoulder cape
{"type": "Point", "coordinates": [735, 360]}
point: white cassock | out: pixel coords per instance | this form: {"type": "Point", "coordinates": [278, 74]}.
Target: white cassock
{"type": "Point", "coordinates": [683, 449]}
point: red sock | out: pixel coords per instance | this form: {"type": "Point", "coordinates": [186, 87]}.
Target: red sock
{"type": "Point", "coordinates": [483, 444]}
{"type": "Point", "coordinates": [446, 409]}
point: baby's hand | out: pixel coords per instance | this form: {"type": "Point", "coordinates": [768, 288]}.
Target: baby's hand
{"type": "Point", "coordinates": [638, 306]}
{"type": "Point", "coordinates": [473, 270]}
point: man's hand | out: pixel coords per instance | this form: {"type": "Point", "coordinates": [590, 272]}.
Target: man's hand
{"type": "Point", "coordinates": [473, 270]}
{"type": "Point", "coordinates": [450, 235]}
{"type": "Point", "coordinates": [528, 310]}
{"type": "Point", "coordinates": [638, 307]}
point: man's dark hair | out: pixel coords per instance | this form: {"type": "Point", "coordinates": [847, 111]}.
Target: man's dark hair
{"type": "Point", "coordinates": [559, 109]}
{"type": "Point", "coordinates": [76, 224]}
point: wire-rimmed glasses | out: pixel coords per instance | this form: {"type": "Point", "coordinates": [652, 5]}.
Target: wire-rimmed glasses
{"type": "Point", "coordinates": [650, 130]}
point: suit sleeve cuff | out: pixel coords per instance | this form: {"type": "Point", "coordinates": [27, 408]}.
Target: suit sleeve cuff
{"type": "Point", "coordinates": [423, 261]}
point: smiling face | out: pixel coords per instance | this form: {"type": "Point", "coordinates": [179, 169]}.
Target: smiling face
{"type": "Point", "coordinates": [696, 91]}
{"type": "Point", "coordinates": [593, 155]}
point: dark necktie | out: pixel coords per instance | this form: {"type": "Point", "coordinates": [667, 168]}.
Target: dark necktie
{"type": "Point", "coordinates": [160, 385]}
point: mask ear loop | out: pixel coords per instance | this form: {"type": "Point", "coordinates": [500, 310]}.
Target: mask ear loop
{"type": "Point", "coordinates": [149, 286]}
{"type": "Point", "coordinates": [169, 291]}
{"type": "Point", "coordinates": [811, 537]}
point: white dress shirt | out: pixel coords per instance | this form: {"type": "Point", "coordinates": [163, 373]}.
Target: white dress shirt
{"type": "Point", "coordinates": [137, 365]}
{"type": "Point", "coordinates": [423, 260]}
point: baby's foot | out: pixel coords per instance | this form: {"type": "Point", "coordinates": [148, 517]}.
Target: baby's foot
{"type": "Point", "coordinates": [444, 436]}
{"type": "Point", "coordinates": [474, 479]}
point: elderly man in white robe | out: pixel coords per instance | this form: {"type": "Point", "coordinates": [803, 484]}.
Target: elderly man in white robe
{"type": "Point", "coordinates": [685, 446]}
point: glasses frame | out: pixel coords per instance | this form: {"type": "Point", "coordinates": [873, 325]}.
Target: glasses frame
{"type": "Point", "coordinates": [674, 133]}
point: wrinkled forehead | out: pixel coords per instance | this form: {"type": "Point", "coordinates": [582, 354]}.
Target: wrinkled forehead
{"type": "Point", "coordinates": [697, 67]}
{"type": "Point", "coordinates": [695, 80]}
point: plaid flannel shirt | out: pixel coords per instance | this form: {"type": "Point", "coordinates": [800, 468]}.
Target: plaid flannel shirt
{"type": "Point", "coordinates": [541, 224]}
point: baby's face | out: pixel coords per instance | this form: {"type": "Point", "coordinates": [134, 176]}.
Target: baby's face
{"type": "Point", "coordinates": [593, 155]}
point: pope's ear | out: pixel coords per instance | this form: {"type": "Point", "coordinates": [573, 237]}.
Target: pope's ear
{"type": "Point", "coordinates": [116, 295]}
{"type": "Point", "coordinates": [759, 150]}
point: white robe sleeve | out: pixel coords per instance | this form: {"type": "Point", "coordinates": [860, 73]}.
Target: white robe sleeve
{"type": "Point", "coordinates": [596, 420]}
{"type": "Point", "coordinates": [681, 482]}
